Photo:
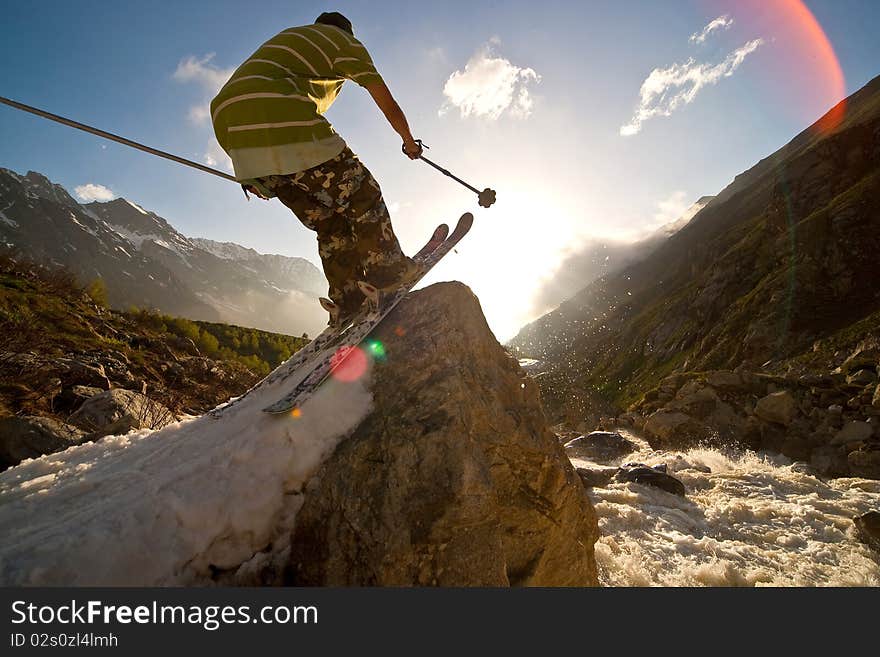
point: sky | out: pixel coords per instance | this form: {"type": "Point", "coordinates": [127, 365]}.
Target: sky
{"type": "Point", "coordinates": [591, 120]}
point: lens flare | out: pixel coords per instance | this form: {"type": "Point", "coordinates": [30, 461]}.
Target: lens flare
{"type": "Point", "coordinates": [804, 69]}
{"type": "Point", "coordinates": [376, 349]}
{"type": "Point", "coordinates": [349, 364]}
{"type": "Point", "coordinates": [296, 413]}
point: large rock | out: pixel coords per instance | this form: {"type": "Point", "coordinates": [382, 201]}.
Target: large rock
{"type": "Point", "coordinates": [118, 411]}
{"type": "Point", "coordinates": [600, 446]}
{"type": "Point", "coordinates": [454, 479]}
{"type": "Point", "coordinates": [777, 407]}
{"type": "Point", "coordinates": [666, 429]}
{"type": "Point", "coordinates": [29, 437]}
{"type": "Point", "coordinates": [853, 432]}
{"type": "Point", "coordinates": [655, 476]}
{"type": "Point", "coordinates": [865, 461]}
{"type": "Point", "coordinates": [868, 526]}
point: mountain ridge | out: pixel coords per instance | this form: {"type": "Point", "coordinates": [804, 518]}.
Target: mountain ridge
{"type": "Point", "coordinates": [146, 262]}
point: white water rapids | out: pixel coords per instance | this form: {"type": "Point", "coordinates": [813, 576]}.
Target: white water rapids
{"type": "Point", "coordinates": [751, 520]}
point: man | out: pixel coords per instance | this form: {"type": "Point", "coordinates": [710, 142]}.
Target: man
{"type": "Point", "coordinates": [269, 118]}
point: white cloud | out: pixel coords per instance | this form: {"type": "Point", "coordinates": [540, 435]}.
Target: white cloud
{"type": "Point", "coordinates": [92, 192]}
{"type": "Point", "coordinates": [215, 156]}
{"type": "Point", "coordinates": [667, 89]}
{"type": "Point", "coordinates": [489, 85]}
{"type": "Point", "coordinates": [210, 78]}
{"type": "Point", "coordinates": [202, 72]}
{"type": "Point", "coordinates": [671, 208]}
{"type": "Point", "coordinates": [721, 23]}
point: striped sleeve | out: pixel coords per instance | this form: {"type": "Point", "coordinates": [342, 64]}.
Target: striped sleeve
{"type": "Point", "coordinates": [354, 63]}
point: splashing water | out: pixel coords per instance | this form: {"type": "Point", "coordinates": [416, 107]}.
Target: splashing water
{"type": "Point", "coordinates": [748, 520]}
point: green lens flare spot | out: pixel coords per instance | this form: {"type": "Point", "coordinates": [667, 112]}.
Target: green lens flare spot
{"type": "Point", "coordinates": [376, 349]}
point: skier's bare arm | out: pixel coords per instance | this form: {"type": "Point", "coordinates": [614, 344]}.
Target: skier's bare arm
{"type": "Point", "coordinates": [382, 95]}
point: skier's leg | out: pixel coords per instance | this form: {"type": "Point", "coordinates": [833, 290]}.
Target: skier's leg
{"type": "Point", "coordinates": [304, 193]}
{"type": "Point", "coordinates": [360, 200]}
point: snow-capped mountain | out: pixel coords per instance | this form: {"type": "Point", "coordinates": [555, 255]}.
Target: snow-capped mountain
{"type": "Point", "coordinates": [146, 262]}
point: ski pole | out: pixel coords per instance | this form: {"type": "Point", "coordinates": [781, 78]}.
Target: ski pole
{"type": "Point", "coordinates": [486, 197]}
{"type": "Point", "coordinates": [112, 137]}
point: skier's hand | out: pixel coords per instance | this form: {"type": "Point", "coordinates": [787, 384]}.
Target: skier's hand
{"type": "Point", "coordinates": [412, 149]}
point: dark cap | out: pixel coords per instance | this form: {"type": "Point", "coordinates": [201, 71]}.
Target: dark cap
{"type": "Point", "coordinates": [336, 19]}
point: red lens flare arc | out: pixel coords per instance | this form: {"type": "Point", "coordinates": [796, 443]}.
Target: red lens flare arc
{"type": "Point", "coordinates": [801, 66]}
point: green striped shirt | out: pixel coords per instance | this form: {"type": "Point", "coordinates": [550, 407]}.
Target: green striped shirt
{"type": "Point", "coordinates": [269, 116]}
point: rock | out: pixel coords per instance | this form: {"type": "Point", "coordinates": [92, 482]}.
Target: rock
{"type": "Point", "coordinates": [835, 409]}
{"type": "Point", "coordinates": [596, 477]}
{"type": "Point", "coordinates": [652, 476]}
{"type": "Point", "coordinates": [868, 526]}
{"type": "Point", "coordinates": [875, 401]}
{"type": "Point", "coordinates": [864, 357]}
{"type": "Point", "coordinates": [862, 378]}
{"type": "Point", "coordinates": [777, 407]}
{"type": "Point", "coordinates": [727, 381]}
{"type": "Point", "coordinates": [853, 432]}
{"type": "Point", "coordinates": [865, 461]}
{"type": "Point", "coordinates": [71, 398]}
{"type": "Point", "coordinates": [673, 429]}
{"type": "Point", "coordinates": [830, 461]}
{"type": "Point", "coordinates": [30, 436]}
{"type": "Point", "coordinates": [802, 467]}
{"type": "Point", "coordinates": [118, 411]}
{"type": "Point", "coordinates": [454, 479]}
{"type": "Point", "coordinates": [600, 446]}
{"type": "Point", "coordinates": [77, 372]}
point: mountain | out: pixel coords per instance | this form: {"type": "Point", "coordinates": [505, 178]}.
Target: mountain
{"type": "Point", "coordinates": [601, 257]}
{"type": "Point", "coordinates": [778, 273]}
{"type": "Point", "coordinates": [144, 261]}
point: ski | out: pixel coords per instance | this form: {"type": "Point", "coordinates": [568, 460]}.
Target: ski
{"type": "Point", "coordinates": [361, 327]}
{"type": "Point", "coordinates": [329, 336]}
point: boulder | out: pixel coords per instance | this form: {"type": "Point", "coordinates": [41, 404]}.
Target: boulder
{"type": "Point", "coordinates": [72, 397]}
{"type": "Point", "coordinates": [777, 407]}
{"type": "Point", "coordinates": [868, 526]}
{"type": "Point", "coordinates": [454, 478]}
{"type": "Point", "coordinates": [830, 461]}
{"type": "Point", "coordinates": [865, 461]}
{"type": "Point", "coordinates": [673, 429]}
{"type": "Point", "coordinates": [600, 446]}
{"type": "Point", "coordinates": [119, 411]}
{"type": "Point", "coordinates": [77, 372]}
{"type": "Point", "coordinates": [30, 437]}
{"type": "Point", "coordinates": [727, 381]}
{"type": "Point", "coordinates": [853, 432]}
{"type": "Point", "coordinates": [655, 476]}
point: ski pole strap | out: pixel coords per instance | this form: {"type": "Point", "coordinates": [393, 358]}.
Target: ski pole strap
{"type": "Point", "coordinates": [108, 135]}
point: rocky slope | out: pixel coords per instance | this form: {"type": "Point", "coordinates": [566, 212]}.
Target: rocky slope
{"type": "Point", "coordinates": [71, 370]}
{"type": "Point", "coordinates": [449, 476]}
{"type": "Point", "coordinates": [777, 276]}
{"type": "Point", "coordinates": [598, 258]}
{"type": "Point", "coordinates": [146, 262]}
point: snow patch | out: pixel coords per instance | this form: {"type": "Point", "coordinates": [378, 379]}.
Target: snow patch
{"type": "Point", "coordinates": [137, 207]}
{"type": "Point", "coordinates": [167, 508]}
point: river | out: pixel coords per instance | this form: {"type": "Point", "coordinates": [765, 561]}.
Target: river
{"type": "Point", "coordinates": [748, 520]}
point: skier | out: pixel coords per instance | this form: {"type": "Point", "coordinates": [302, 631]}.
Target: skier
{"type": "Point", "coordinates": [269, 118]}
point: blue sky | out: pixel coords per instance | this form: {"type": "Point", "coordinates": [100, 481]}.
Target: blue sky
{"type": "Point", "coordinates": [554, 152]}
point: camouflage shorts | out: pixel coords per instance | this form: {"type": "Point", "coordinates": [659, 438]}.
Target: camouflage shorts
{"type": "Point", "coordinates": [342, 202]}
